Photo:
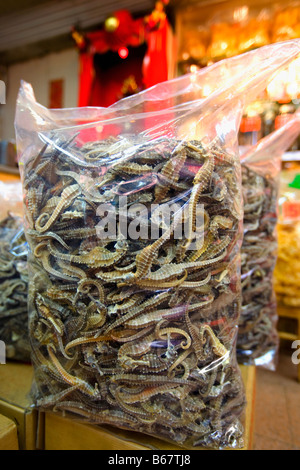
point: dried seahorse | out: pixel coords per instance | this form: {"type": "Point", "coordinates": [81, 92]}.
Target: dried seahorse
{"type": "Point", "coordinates": [112, 416]}
{"type": "Point", "coordinates": [125, 269]}
{"type": "Point", "coordinates": [67, 197]}
{"type": "Point", "coordinates": [220, 188]}
{"type": "Point", "coordinates": [126, 336]}
{"type": "Point", "coordinates": [82, 385]}
{"type": "Point", "coordinates": [39, 236]}
{"type": "Point", "coordinates": [77, 233]}
{"type": "Point", "coordinates": [149, 379]}
{"type": "Point", "coordinates": [179, 361]}
{"type": "Point", "coordinates": [52, 400]}
{"type": "Point", "coordinates": [177, 331]}
{"type": "Point", "coordinates": [51, 205]}
{"type": "Point", "coordinates": [197, 284]}
{"type": "Point", "coordinates": [146, 394]}
{"type": "Point", "coordinates": [157, 363]}
{"type": "Point", "coordinates": [146, 257]}
{"type": "Point", "coordinates": [132, 168]}
{"type": "Point", "coordinates": [98, 257]}
{"type": "Point", "coordinates": [115, 276]}
{"type": "Point", "coordinates": [195, 254]}
{"type": "Point", "coordinates": [86, 340]}
{"type": "Point", "coordinates": [151, 318]}
{"type": "Point", "coordinates": [150, 284]}
{"type": "Point", "coordinates": [196, 338]}
{"type": "Point", "coordinates": [45, 312]}
{"type": "Point", "coordinates": [69, 270]}
{"type": "Point", "coordinates": [217, 347]}
{"type": "Point", "coordinates": [149, 304]}
{"type": "Point", "coordinates": [135, 349]}
{"type": "Point", "coordinates": [85, 285]}
{"type": "Point", "coordinates": [115, 296]}
{"type": "Point", "coordinates": [219, 221]}
{"type": "Point", "coordinates": [44, 255]}
{"type": "Point", "coordinates": [216, 248]}
{"type": "Point", "coordinates": [175, 313]}
{"type": "Point", "coordinates": [126, 305]}
{"type": "Point", "coordinates": [200, 183]}
{"type": "Point", "coordinates": [134, 410]}
{"type": "Point", "coordinates": [169, 175]}
{"type": "Point", "coordinates": [32, 162]}
{"type": "Point", "coordinates": [199, 151]}
{"type": "Point", "coordinates": [173, 270]}
{"type": "Point", "coordinates": [72, 215]}
{"type": "Point", "coordinates": [170, 250]}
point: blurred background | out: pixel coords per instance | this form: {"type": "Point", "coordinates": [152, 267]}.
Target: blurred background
{"type": "Point", "coordinates": [93, 53]}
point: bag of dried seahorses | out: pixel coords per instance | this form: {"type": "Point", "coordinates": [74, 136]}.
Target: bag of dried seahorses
{"type": "Point", "coordinates": [261, 165]}
{"type": "Point", "coordinates": [13, 274]}
{"type": "Point", "coordinates": [133, 216]}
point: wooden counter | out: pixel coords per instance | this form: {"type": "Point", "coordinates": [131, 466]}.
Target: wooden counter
{"type": "Point", "coordinates": [8, 434]}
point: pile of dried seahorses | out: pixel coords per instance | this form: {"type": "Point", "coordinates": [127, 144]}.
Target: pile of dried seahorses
{"type": "Point", "coordinates": [258, 339]}
{"type": "Point", "coordinates": [13, 289]}
{"type": "Point", "coordinates": [137, 332]}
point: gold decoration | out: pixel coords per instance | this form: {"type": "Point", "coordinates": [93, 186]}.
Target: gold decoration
{"type": "Point", "coordinates": [111, 24]}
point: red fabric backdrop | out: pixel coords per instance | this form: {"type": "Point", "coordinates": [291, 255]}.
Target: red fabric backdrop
{"type": "Point", "coordinates": [102, 86]}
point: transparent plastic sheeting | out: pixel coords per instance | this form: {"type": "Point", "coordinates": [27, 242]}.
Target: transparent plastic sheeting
{"type": "Point", "coordinates": [134, 216]}
{"type": "Point", "coordinates": [258, 338]}
{"type": "Point", "coordinates": [13, 274]}
{"type": "Point", "coordinates": [11, 199]}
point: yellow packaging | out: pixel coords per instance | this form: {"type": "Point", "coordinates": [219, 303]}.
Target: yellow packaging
{"type": "Point", "coordinates": [8, 434]}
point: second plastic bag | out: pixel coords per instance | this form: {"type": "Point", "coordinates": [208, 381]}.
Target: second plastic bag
{"type": "Point", "coordinates": [13, 274]}
{"type": "Point", "coordinates": [258, 338]}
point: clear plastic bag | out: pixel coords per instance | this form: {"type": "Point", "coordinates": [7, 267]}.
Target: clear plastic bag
{"type": "Point", "coordinates": [258, 338]}
{"type": "Point", "coordinates": [11, 199]}
{"type": "Point", "coordinates": [215, 84]}
{"type": "Point", "coordinates": [13, 274]}
{"type": "Point", "coordinates": [133, 216]}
